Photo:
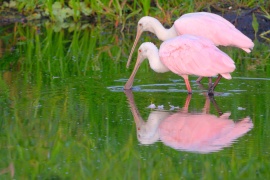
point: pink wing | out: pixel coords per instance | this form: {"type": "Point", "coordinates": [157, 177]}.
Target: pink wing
{"type": "Point", "coordinates": [213, 27]}
{"type": "Point", "coordinates": [194, 55]}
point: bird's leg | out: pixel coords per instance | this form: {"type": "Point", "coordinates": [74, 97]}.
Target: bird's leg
{"type": "Point", "coordinates": [217, 81]}
{"type": "Point", "coordinates": [185, 108]}
{"type": "Point", "coordinates": [206, 106]}
{"type": "Point", "coordinates": [211, 89]}
{"type": "Point", "coordinates": [201, 86]}
{"type": "Point", "coordinates": [188, 86]}
{"type": "Point", "coordinates": [210, 82]}
{"type": "Point", "coordinates": [199, 79]}
{"type": "Point", "coordinates": [212, 99]}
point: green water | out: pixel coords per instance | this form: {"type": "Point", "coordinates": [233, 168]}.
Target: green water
{"type": "Point", "coordinates": [64, 114]}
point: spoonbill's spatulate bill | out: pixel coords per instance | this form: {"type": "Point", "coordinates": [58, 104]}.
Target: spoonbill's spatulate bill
{"type": "Point", "coordinates": [209, 25]}
{"type": "Point", "coordinates": [185, 55]}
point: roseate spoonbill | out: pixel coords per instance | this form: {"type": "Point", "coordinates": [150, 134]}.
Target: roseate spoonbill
{"type": "Point", "coordinates": [209, 25]}
{"type": "Point", "coordinates": [185, 55]}
{"type": "Point", "coordinates": [199, 132]}
{"type": "Point", "coordinates": [212, 26]}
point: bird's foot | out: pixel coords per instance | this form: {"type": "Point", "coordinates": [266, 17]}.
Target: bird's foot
{"type": "Point", "coordinates": [211, 91]}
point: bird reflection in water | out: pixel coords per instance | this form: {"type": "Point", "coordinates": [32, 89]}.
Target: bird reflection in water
{"type": "Point", "coordinates": [200, 132]}
{"type": "Point", "coordinates": [10, 169]}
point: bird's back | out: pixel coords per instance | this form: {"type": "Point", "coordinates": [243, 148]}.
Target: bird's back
{"type": "Point", "coordinates": [194, 55]}
{"type": "Point", "coordinates": [213, 27]}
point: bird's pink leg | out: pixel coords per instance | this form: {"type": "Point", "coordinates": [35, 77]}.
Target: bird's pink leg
{"type": "Point", "coordinates": [188, 86]}
{"type": "Point", "coordinates": [185, 108]}
{"type": "Point", "coordinates": [206, 106]}
{"type": "Point", "coordinates": [210, 82]}
{"type": "Point", "coordinates": [199, 79]}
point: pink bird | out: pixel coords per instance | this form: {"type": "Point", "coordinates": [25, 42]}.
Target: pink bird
{"type": "Point", "coordinates": [199, 132]}
{"type": "Point", "coordinates": [208, 25]}
{"type": "Point", "coordinates": [183, 55]}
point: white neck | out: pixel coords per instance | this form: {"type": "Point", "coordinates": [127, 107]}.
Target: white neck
{"type": "Point", "coordinates": [154, 60]}
{"type": "Point", "coordinates": [162, 33]}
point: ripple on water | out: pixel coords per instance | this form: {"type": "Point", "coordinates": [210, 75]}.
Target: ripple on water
{"type": "Point", "coordinates": [251, 78]}
{"type": "Point", "coordinates": [167, 88]}
{"type": "Point", "coordinates": [179, 86]}
{"type": "Point", "coordinates": [150, 88]}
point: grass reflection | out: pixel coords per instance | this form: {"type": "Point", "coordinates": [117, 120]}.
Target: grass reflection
{"type": "Point", "coordinates": [58, 119]}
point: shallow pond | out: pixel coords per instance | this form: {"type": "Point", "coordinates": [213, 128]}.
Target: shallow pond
{"type": "Point", "coordinates": [64, 113]}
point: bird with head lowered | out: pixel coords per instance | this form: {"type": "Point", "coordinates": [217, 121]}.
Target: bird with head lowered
{"type": "Point", "coordinates": [208, 25]}
{"type": "Point", "coordinates": [185, 55]}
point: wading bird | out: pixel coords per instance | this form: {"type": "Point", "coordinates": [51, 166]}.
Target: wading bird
{"type": "Point", "coordinates": [198, 132]}
{"type": "Point", "coordinates": [185, 55]}
{"type": "Point", "coordinates": [208, 25]}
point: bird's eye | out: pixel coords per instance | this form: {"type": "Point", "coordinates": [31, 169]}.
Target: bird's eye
{"type": "Point", "coordinates": [140, 50]}
{"type": "Point", "coordinates": [140, 24]}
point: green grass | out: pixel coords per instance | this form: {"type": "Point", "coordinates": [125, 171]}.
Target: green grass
{"type": "Point", "coordinates": [119, 11]}
{"type": "Point", "coordinates": [58, 120]}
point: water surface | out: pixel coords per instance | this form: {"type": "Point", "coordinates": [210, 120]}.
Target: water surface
{"type": "Point", "coordinates": [64, 113]}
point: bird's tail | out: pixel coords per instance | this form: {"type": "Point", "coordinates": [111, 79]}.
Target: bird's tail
{"type": "Point", "coordinates": [247, 49]}
{"type": "Point", "coordinates": [242, 42]}
{"type": "Point", "coordinates": [226, 76]}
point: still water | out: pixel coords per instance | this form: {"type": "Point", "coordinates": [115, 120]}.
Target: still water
{"type": "Point", "coordinates": [64, 113]}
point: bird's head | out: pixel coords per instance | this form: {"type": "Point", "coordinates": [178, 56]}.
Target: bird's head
{"type": "Point", "coordinates": [144, 52]}
{"type": "Point", "coordinates": [146, 23]}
